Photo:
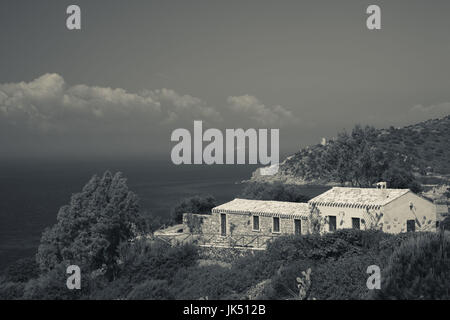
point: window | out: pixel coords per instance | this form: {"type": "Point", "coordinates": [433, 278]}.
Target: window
{"type": "Point", "coordinates": [356, 223]}
{"type": "Point", "coordinates": [410, 225]}
{"type": "Point", "coordinates": [255, 223]}
{"type": "Point", "coordinates": [332, 223]}
{"type": "Point", "coordinates": [276, 224]}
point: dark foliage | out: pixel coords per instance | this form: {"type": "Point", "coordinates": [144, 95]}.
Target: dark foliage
{"type": "Point", "coordinates": [151, 290]}
{"type": "Point", "coordinates": [418, 269]}
{"type": "Point", "coordinates": [273, 191]}
{"type": "Point", "coordinates": [367, 155]}
{"type": "Point", "coordinates": [196, 204]}
{"type": "Point", "coordinates": [89, 230]}
{"type": "Point", "coordinates": [22, 270]}
{"type": "Point", "coordinates": [445, 224]}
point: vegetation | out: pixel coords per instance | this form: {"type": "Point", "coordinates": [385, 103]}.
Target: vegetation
{"type": "Point", "coordinates": [89, 230]}
{"type": "Point", "coordinates": [330, 266]}
{"type": "Point", "coordinates": [101, 231]}
{"type": "Point", "coordinates": [400, 156]}
{"type": "Point", "coordinates": [196, 204]}
{"type": "Point", "coordinates": [273, 191]}
{"type": "Point", "coordinates": [418, 269]}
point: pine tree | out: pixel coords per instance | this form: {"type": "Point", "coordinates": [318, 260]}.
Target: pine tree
{"type": "Point", "coordinates": [89, 230]}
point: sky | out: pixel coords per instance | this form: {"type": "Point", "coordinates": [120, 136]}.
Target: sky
{"type": "Point", "coordinates": [137, 70]}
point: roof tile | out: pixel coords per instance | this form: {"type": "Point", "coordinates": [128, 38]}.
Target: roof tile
{"type": "Point", "coordinates": [358, 196]}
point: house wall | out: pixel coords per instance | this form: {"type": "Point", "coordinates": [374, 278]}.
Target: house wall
{"type": "Point", "coordinates": [391, 218]}
{"type": "Point", "coordinates": [344, 216]}
{"type": "Point", "coordinates": [397, 212]}
{"type": "Point", "coordinates": [210, 224]}
{"type": "Point", "coordinates": [242, 224]}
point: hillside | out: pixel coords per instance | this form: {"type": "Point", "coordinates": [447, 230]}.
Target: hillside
{"type": "Point", "coordinates": [365, 155]}
{"type": "Point", "coordinates": [336, 264]}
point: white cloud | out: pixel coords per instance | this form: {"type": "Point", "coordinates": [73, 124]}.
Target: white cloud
{"type": "Point", "coordinates": [49, 104]}
{"type": "Point", "coordinates": [48, 115]}
{"type": "Point", "coordinates": [258, 112]}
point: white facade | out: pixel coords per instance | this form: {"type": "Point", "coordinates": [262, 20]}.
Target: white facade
{"type": "Point", "coordinates": [390, 210]}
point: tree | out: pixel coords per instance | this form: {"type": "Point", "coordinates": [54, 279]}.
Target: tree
{"type": "Point", "coordinates": [273, 191]}
{"type": "Point", "coordinates": [397, 177]}
{"type": "Point", "coordinates": [196, 204]}
{"type": "Point", "coordinates": [89, 230]}
{"type": "Point", "coordinates": [22, 270]}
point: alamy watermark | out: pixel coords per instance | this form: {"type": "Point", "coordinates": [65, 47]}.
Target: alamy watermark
{"type": "Point", "coordinates": [73, 21]}
{"type": "Point", "coordinates": [374, 281]}
{"type": "Point", "coordinates": [74, 280]}
{"type": "Point", "coordinates": [238, 143]}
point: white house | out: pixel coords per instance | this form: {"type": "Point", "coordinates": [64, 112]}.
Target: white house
{"type": "Point", "coordinates": [391, 210]}
{"type": "Point", "coordinates": [250, 221]}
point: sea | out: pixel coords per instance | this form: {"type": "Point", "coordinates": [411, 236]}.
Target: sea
{"type": "Point", "coordinates": [32, 191]}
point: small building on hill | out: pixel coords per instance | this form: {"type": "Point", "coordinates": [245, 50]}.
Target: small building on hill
{"type": "Point", "coordinates": [252, 217]}
{"type": "Point", "coordinates": [242, 216]}
{"type": "Point", "coordinates": [390, 210]}
{"type": "Point", "coordinates": [248, 223]}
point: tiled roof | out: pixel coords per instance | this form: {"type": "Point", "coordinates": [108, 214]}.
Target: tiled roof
{"type": "Point", "coordinates": [357, 197]}
{"type": "Point", "coordinates": [263, 207]}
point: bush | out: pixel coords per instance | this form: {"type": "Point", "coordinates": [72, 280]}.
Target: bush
{"type": "Point", "coordinates": [11, 290]}
{"type": "Point", "coordinates": [196, 204]}
{"type": "Point", "coordinates": [418, 269]}
{"type": "Point", "coordinates": [143, 259]}
{"type": "Point", "coordinates": [338, 260]}
{"type": "Point", "coordinates": [22, 270]}
{"type": "Point", "coordinates": [52, 286]}
{"type": "Point", "coordinates": [445, 224]}
{"type": "Point", "coordinates": [151, 290]}
{"type": "Point", "coordinates": [214, 282]}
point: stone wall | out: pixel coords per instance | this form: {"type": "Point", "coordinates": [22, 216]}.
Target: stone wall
{"type": "Point", "coordinates": [208, 223]}
{"type": "Point", "coordinates": [242, 224]}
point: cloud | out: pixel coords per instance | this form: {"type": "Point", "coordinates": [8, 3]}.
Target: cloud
{"type": "Point", "coordinates": [48, 115]}
{"type": "Point", "coordinates": [258, 112]}
{"type": "Point", "coordinates": [48, 104]}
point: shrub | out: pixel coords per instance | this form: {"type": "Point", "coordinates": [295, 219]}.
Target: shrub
{"type": "Point", "coordinates": [151, 290]}
{"type": "Point", "coordinates": [52, 286]}
{"type": "Point", "coordinates": [11, 290]}
{"type": "Point", "coordinates": [418, 269]}
{"type": "Point", "coordinates": [22, 270]}
{"type": "Point", "coordinates": [196, 204]}
{"type": "Point", "coordinates": [213, 281]}
{"type": "Point", "coordinates": [144, 259]}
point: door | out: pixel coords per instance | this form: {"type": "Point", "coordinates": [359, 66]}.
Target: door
{"type": "Point", "coordinates": [297, 226]}
{"type": "Point", "coordinates": [356, 223]}
{"type": "Point", "coordinates": [332, 223]}
{"type": "Point", "coordinates": [223, 224]}
{"type": "Point", "coordinates": [410, 225]}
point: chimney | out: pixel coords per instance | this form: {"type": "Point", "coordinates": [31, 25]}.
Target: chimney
{"type": "Point", "coordinates": [382, 186]}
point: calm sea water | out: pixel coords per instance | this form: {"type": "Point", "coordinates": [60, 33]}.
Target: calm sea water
{"type": "Point", "coordinates": [31, 192]}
